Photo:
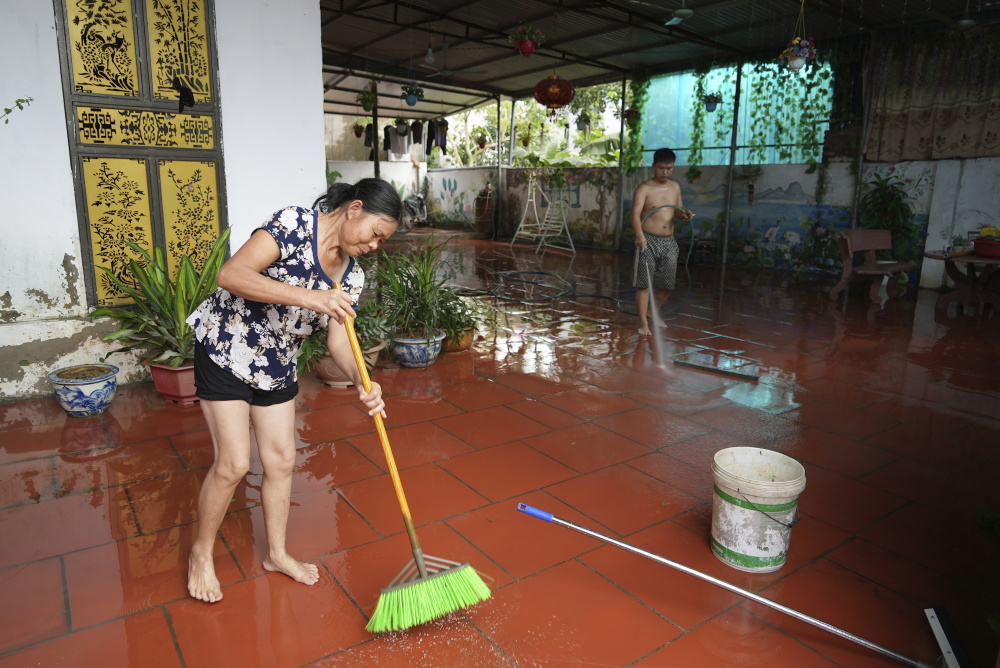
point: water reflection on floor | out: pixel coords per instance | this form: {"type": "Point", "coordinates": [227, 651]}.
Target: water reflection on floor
{"type": "Point", "coordinates": [560, 404]}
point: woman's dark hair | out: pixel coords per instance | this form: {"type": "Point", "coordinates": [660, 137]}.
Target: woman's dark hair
{"type": "Point", "coordinates": [377, 196]}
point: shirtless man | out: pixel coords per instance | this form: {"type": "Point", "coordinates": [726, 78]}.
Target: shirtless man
{"type": "Point", "coordinates": [655, 247]}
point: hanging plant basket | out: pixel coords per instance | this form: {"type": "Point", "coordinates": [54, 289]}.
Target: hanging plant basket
{"type": "Point", "coordinates": [711, 101]}
{"type": "Point", "coordinates": [632, 116]}
{"type": "Point", "coordinates": [412, 93]}
{"type": "Point", "coordinates": [526, 39]}
{"type": "Point", "coordinates": [358, 130]}
{"type": "Point", "coordinates": [800, 49]}
{"type": "Point", "coordinates": [481, 142]}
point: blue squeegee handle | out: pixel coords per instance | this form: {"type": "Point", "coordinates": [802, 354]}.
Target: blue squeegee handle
{"type": "Point", "coordinates": [549, 517]}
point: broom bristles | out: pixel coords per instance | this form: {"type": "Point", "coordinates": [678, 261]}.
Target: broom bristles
{"type": "Point", "coordinates": [425, 599]}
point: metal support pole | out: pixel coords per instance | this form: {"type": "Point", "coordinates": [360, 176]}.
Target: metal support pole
{"type": "Point", "coordinates": [621, 171]}
{"type": "Point", "coordinates": [510, 150]}
{"type": "Point", "coordinates": [869, 92]}
{"type": "Point", "coordinates": [497, 208]}
{"type": "Point", "coordinates": [732, 162]}
{"type": "Point", "coordinates": [376, 135]}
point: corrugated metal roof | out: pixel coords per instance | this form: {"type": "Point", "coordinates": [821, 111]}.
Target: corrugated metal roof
{"type": "Point", "coordinates": [586, 41]}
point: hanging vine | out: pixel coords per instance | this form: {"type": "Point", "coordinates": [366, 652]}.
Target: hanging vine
{"type": "Point", "coordinates": [697, 147]}
{"type": "Point", "coordinates": [638, 94]}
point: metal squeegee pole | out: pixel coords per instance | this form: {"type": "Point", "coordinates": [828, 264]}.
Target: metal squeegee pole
{"type": "Point", "coordinates": [743, 592]}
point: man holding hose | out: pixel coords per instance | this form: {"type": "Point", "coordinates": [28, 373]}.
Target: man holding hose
{"type": "Point", "coordinates": [655, 204]}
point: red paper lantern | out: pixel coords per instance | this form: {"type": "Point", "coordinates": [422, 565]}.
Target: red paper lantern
{"type": "Point", "coordinates": [554, 92]}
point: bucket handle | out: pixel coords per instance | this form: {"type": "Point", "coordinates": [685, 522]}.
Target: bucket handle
{"type": "Point", "coordinates": [795, 520]}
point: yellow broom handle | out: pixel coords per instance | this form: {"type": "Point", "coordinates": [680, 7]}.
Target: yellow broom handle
{"type": "Point", "coordinates": [393, 472]}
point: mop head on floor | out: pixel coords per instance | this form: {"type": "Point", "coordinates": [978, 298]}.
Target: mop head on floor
{"type": "Point", "coordinates": [414, 601]}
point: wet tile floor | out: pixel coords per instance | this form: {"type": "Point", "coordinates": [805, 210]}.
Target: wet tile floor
{"type": "Point", "coordinates": [895, 416]}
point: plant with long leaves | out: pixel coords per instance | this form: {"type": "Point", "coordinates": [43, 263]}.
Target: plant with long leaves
{"type": "Point", "coordinates": [157, 320]}
{"type": "Point", "coordinates": [410, 284]}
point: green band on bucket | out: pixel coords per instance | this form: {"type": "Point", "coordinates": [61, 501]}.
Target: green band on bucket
{"type": "Point", "coordinates": [745, 560]}
{"type": "Point", "coordinates": [767, 508]}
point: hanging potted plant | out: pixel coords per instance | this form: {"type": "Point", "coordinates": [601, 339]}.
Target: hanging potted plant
{"type": "Point", "coordinates": [368, 97]}
{"type": "Point", "coordinates": [402, 125]}
{"type": "Point", "coordinates": [441, 124]}
{"type": "Point", "coordinates": [526, 39]}
{"type": "Point", "coordinates": [631, 116]}
{"type": "Point", "coordinates": [359, 128]}
{"type": "Point", "coordinates": [481, 141]}
{"type": "Point", "coordinates": [583, 121]}
{"type": "Point", "coordinates": [412, 93]}
{"type": "Point", "coordinates": [156, 323]}
{"type": "Point", "coordinates": [711, 101]}
{"type": "Point", "coordinates": [798, 51]}
{"type": "Point", "coordinates": [85, 390]}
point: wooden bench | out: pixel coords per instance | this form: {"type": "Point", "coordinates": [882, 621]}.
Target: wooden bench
{"type": "Point", "coordinates": [868, 242]}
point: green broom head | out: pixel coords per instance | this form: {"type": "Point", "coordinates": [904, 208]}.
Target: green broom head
{"type": "Point", "coordinates": [411, 600]}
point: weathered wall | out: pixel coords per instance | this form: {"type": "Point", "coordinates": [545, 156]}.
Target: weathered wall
{"type": "Point", "coordinates": [273, 157]}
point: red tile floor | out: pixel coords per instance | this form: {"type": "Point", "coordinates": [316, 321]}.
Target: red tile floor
{"type": "Point", "coordinates": [895, 417]}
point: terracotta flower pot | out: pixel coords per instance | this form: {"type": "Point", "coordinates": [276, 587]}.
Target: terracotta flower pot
{"type": "Point", "coordinates": [452, 345]}
{"type": "Point", "coordinates": [358, 132]}
{"type": "Point", "coordinates": [175, 383]}
{"type": "Point", "coordinates": [526, 47]}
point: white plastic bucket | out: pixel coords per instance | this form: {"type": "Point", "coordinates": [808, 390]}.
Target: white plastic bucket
{"type": "Point", "coordinates": [754, 507]}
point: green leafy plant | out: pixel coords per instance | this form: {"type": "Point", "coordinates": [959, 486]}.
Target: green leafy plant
{"type": "Point", "coordinates": [19, 103]}
{"type": "Point", "coordinates": [157, 320]}
{"type": "Point", "coordinates": [413, 89]}
{"type": "Point", "coordinates": [523, 32]}
{"type": "Point", "coordinates": [638, 93]}
{"type": "Point", "coordinates": [884, 207]}
{"type": "Point", "coordinates": [410, 282]}
{"type": "Point", "coordinates": [370, 325]}
{"type": "Point", "coordinates": [457, 315]}
{"type": "Point", "coordinates": [368, 97]}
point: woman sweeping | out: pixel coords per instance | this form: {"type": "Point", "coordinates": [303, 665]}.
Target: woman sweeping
{"type": "Point", "coordinates": [273, 293]}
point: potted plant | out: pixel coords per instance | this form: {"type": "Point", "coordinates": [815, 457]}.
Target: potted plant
{"type": "Point", "coordinates": [441, 124]}
{"type": "Point", "coordinates": [412, 93]}
{"type": "Point", "coordinates": [85, 390]}
{"type": "Point", "coordinates": [481, 141]}
{"type": "Point", "coordinates": [526, 39]}
{"type": "Point", "coordinates": [583, 121]}
{"type": "Point", "coordinates": [402, 125]}
{"type": "Point", "coordinates": [359, 128]}
{"type": "Point", "coordinates": [632, 116]}
{"type": "Point", "coordinates": [156, 322]}
{"type": "Point", "coordinates": [373, 334]}
{"type": "Point", "coordinates": [711, 101]}
{"type": "Point", "coordinates": [458, 320]}
{"type": "Point", "coordinates": [884, 207]}
{"type": "Point", "coordinates": [798, 51]}
{"type": "Point", "coordinates": [409, 287]}
{"type": "Point", "coordinates": [368, 97]}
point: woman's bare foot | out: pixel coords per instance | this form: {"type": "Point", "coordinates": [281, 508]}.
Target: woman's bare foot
{"type": "Point", "coordinates": [297, 570]}
{"type": "Point", "coordinates": [644, 330]}
{"type": "Point", "coordinates": [202, 583]}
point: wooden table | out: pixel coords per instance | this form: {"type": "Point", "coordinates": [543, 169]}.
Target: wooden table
{"type": "Point", "coordinates": [977, 286]}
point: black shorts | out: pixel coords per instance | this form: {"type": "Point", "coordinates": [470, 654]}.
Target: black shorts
{"type": "Point", "coordinates": [214, 383]}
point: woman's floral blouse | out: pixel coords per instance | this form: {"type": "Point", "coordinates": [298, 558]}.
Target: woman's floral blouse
{"type": "Point", "coordinates": [258, 342]}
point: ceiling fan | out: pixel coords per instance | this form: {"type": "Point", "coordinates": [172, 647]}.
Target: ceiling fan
{"type": "Point", "coordinates": [676, 16]}
{"type": "Point", "coordinates": [680, 14]}
{"type": "Point", "coordinates": [444, 65]}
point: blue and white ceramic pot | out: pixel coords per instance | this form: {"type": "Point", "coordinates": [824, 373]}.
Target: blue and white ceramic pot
{"type": "Point", "coordinates": [417, 353]}
{"type": "Point", "coordinates": [85, 390]}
